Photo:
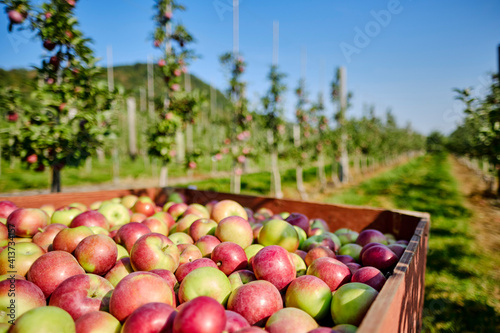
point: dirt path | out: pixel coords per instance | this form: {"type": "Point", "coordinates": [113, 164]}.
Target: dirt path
{"type": "Point", "coordinates": [486, 211]}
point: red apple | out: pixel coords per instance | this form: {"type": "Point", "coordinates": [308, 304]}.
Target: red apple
{"type": "Point", "coordinates": [187, 268]}
{"type": "Point", "coordinates": [353, 267]}
{"type": "Point", "coordinates": [90, 218]}
{"type": "Point", "coordinates": [52, 268]}
{"type": "Point", "coordinates": [273, 264]}
{"type": "Point", "coordinates": [26, 222]}
{"type": "Point", "coordinates": [202, 227]}
{"type": "Point", "coordinates": [68, 239]}
{"type": "Point", "coordinates": [200, 315]}
{"type": "Point", "coordinates": [96, 254]}
{"type": "Point", "coordinates": [151, 317]}
{"type": "Point", "coordinates": [144, 205]}
{"type": "Point", "coordinates": [206, 244]}
{"type": "Point", "coordinates": [129, 233]}
{"type": "Point", "coordinates": [318, 252]}
{"type": "Point", "coordinates": [366, 247]}
{"type": "Point", "coordinates": [156, 225]}
{"type": "Point", "coordinates": [165, 217]}
{"type": "Point", "coordinates": [137, 217]}
{"type": "Point", "coordinates": [167, 276]}
{"type": "Point", "coordinates": [345, 258]}
{"type": "Point", "coordinates": [17, 297]}
{"type": "Point", "coordinates": [137, 289]}
{"type": "Point", "coordinates": [226, 208]}
{"type": "Point", "coordinates": [176, 210]}
{"type": "Point", "coordinates": [398, 249]}
{"type": "Point", "coordinates": [235, 322]}
{"type": "Point", "coordinates": [299, 220]}
{"type": "Point", "coordinates": [256, 301]}
{"type": "Point", "coordinates": [153, 251]}
{"type": "Point", "coordinates": [310, 294]}
{"type": "Point", "coordinates": [332, 271]}
{"type": "Point", "coordinates": [234, 229]}
{"type": "Point", "coordinates": [371, 236]}
{"type": "Point", "coordinates": [46, 236]}
{"type": "Point", "coordinates": [6, 207]}
{"type": "Point", "coordinates": [381, 257]}
{"type": "Point", "coordinates": [189, 253]}
{"type": "Point", "coordinates": [327, 239]}
{"type": "Point", "coordinates": [197, 209]}
{"type": "Point", "coordinates": [97, 321]}
{"type": "Point", "coordinates": [229, 257]}
{"type": "Point", "coordinates": [290, 320]}
{"type": "Point", "coordinates": [81, 294]}
{"type": "Point", "coordinates": [370, 276]}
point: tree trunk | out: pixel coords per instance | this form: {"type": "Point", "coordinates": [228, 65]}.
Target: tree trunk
{"type": "Point", "coordinates": [56, 180]}
{"type": "Point", "coordinates": [276, 177]}
{"type": "Point", "coordinates": [88, 165]}
{"type": "Point", "coordinates": [498, 181]}
{"type": "Point", "coordinates": [181, 146]}
{"type": "Point", "coordinates": [116, 166]}
{"type": "Point", "coordinates": [163, 176]}
{"type": "Point", "coordinates": [300, 183]}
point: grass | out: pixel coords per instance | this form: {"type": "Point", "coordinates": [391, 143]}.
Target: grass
{"type": "Point", "coordinates": [461, 290]}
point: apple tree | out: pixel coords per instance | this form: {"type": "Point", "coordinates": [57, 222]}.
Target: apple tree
{"type": "Point", "coordinates": [239, 131]}
{"type": "Point", "coordinates": [74, 114]}
{"type": "Point", "coordinates": [274, 123]}
{"type": "Point", "coordinates": [179, 107]}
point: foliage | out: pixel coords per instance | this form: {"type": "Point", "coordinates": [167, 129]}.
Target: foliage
{"type": "Point", "coordinates": [273, 107]}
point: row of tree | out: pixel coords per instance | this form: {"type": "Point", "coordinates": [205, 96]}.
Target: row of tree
{"type": "Point", "coordinates": [72, 113]}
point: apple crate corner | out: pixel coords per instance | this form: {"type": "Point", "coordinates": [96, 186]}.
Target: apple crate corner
{"type": "Point", "coordinates": [399, 305]}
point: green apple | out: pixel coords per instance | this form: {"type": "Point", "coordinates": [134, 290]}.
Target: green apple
{"type": "Point", "coordinates": [45, 319]}
{"type": "Point", "coordinates": [122, 252]}
{"type": "Point", "coordinates": [291, 320]}
{"type": "Point", "coordinates": [180, 238]}
{"type": "Point", "coordinates": [352, 250]}
{"type": "Point", "coordinates": [252, 250]}
{"type": "Point", "coordinates": [205, 281]}
{"type": "Point", "coordinates": [115, 213]}
{"type": "Point", "coordinates": [129, 200]}
{"type": "Point", "coordinates": [300, 265]}
{"type": "Point", "coordinates": [351, 302]}
{"type": "Point", "coordinates": [310, 294]}
{"type": "Point", "coordinates": [279, 232]}
{"type": "Point", "coordinates": [65, 215]}
{"type": "Point", "coordinates": [302, 234]}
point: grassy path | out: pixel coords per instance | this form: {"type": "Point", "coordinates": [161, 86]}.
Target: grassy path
{"type": "Point", "coordinates": [462, 289]}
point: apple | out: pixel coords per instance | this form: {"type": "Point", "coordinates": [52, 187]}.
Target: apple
{"type": "Point", "coordinates": [129, 233]}
{"type": "Point", "coordinates": [153, 251]}
{"type": "Point", "coordinates": [150, 317]}
{"type": "Point", "coordinates": [79, 205]}
{"type": "Point", "coordinates": [366, 247]}
{"type": "Point", "coordinates": [332, 271]}
{"type": "Point", "coordinates": [252, 250]}
{"type": "Point", "coordinates": [15, 17]}
{"type": "Point", "coordinates": [353, 267]}
{"type": "Point", "coordinates": [189, 253]}
{"type": "Point", "coordinates": [187, 268]}
{"type": "Point", "coordinates": [137, 289]}
{"type": "Point", "coordinates": [197, 209]}
{"type": "Point", "coordinates": [99, 231]}
{"type": "Point", "coordinates": [65, 215]}
{"type": "Point", "coordinates": [279, 232]}
{"type": "Point", "coordinates": [120, 269]}
{"type": "Point", "coordinates": [251, 329]}
{"type": "Point", "coordinates": [202, 227]}
{"type": "Point", "coordinates": [210, 205]}
{"type": "Point", "coordinates": [49, 209]}
{"type": "Point", "coordinates": [97, 321]}
{"type": "Point", "coordinates": [52, 268]}
{"type": "Point", "coordinates": [176, 210]}
{"type": "Point", "coordinates": [299, 220]}
{"type": "Point", "coordinates": [68, 239]}
{"type": "Point", "coordinates": [81, 294]}
{"type": "Point", "coordinates": [144, 205]}
{"type": "Point", "coordinates": [273, 264]}
{"type": "Point", "coordinates": [234, 322]}
{"type": "Point", "coordinates": [310, 294]}
{"type": "Point", "coordinates": [205, 281]}
{"type": "Point", "coordinates": [115, 213]}
{"type": "Point", "coordinates": [241, 277]}
{"type": "Point", "coordinates": [381, 257]}
{"type": "Point", "coordinates": [371, 236]}
{"type": "Point", "coordinates": [156, 225]}
{"type": "Point", "coordinates": [345, 258]}
{"type": "Point", "coordinates": [318, 252]}
{"type": "Point", "coordinates": [351, 302]}
{"type": "Point", "coordinates": [290, 320]}
{"type": "Point", "coordinates": [167, 276]}
{"type": "Point", "coordinates": [19, 258]}
{"type": "Point", "coordinates": [345, 328]}
{"type": "Point", "coordinates": [206, 244]}
{"type": "Point", "coordinates": [300, 265]}
{"type": "Point", "coordinates": [302, 235]}
{"type": "Point", "coordinates": [7, 207]}
{"type": "Point", "coordinates": [256, 301]}
{"type": "Point", "coordinates": [352, 250]}
{"type": "Point", "coordinates": [301, 254]}
{"type": "Point", "coordinates": [318, 223]}
{"type": "Point", "coordinates": [391, 239]}
{"type": "Point", "coordinates": [180, 238]}
{"type": "Point", "coordinates": [44, 319]}
{"type": "Point", "coordinates": [398, 249]}
{"type": "Point", "coordinates": [122, 252]}
{"type": "Point", "coordinates": [327, 239]}
{"type": "Point", "coordinates": [129, 200]}
{"type": "Point", "coordinates": [229, 257]}
{"type": "Point", "coordinates": [165, 217]}
{"type": "Point", "coordinates": [226, 208]}
{"type": "Point", "coordinates": [96, 254]}
{"type": "Point", "coordinates": [17, 297]}
{"type": "Point", "coordinates": [370, 276]}
{"type": "Point", "coordinates": [137, 217]}
{"type": "Point", "coordinates": [90, 218]}
{"type": "Point", "coordinates": [26, 222]}
{"type": "Point", "coordinates": [402, 241]}
{"type": "Point", "coordinates": [250, 213]}
{"type": "Point", "coordinates": [263, 213]}
{"type": "Point", "coordinates": [234, 229]}
{"type": "Point", "coordinates": [200, 315]}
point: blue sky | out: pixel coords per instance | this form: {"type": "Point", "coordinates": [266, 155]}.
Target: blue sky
{"type": "Point", "coordinates": [409, 61]}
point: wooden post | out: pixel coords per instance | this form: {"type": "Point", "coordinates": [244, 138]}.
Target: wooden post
{"type": "Point", "coordinates": [151, 90]}
{"type": "Point", "coordinates": [142, 101]}
{"type": "Point", "coordinates": [344, 158]}
{"type": "Point", "coordinates": [132, 135]}
{"type": "Point", "coordinates": [111, 87]}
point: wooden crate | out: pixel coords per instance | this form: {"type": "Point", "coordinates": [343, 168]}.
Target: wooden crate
{"type": "Point", "coordinates": [399, 306]}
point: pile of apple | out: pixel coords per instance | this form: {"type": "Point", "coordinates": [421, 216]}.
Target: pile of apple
{"type": "Point", "coordinates": [128, 265]}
